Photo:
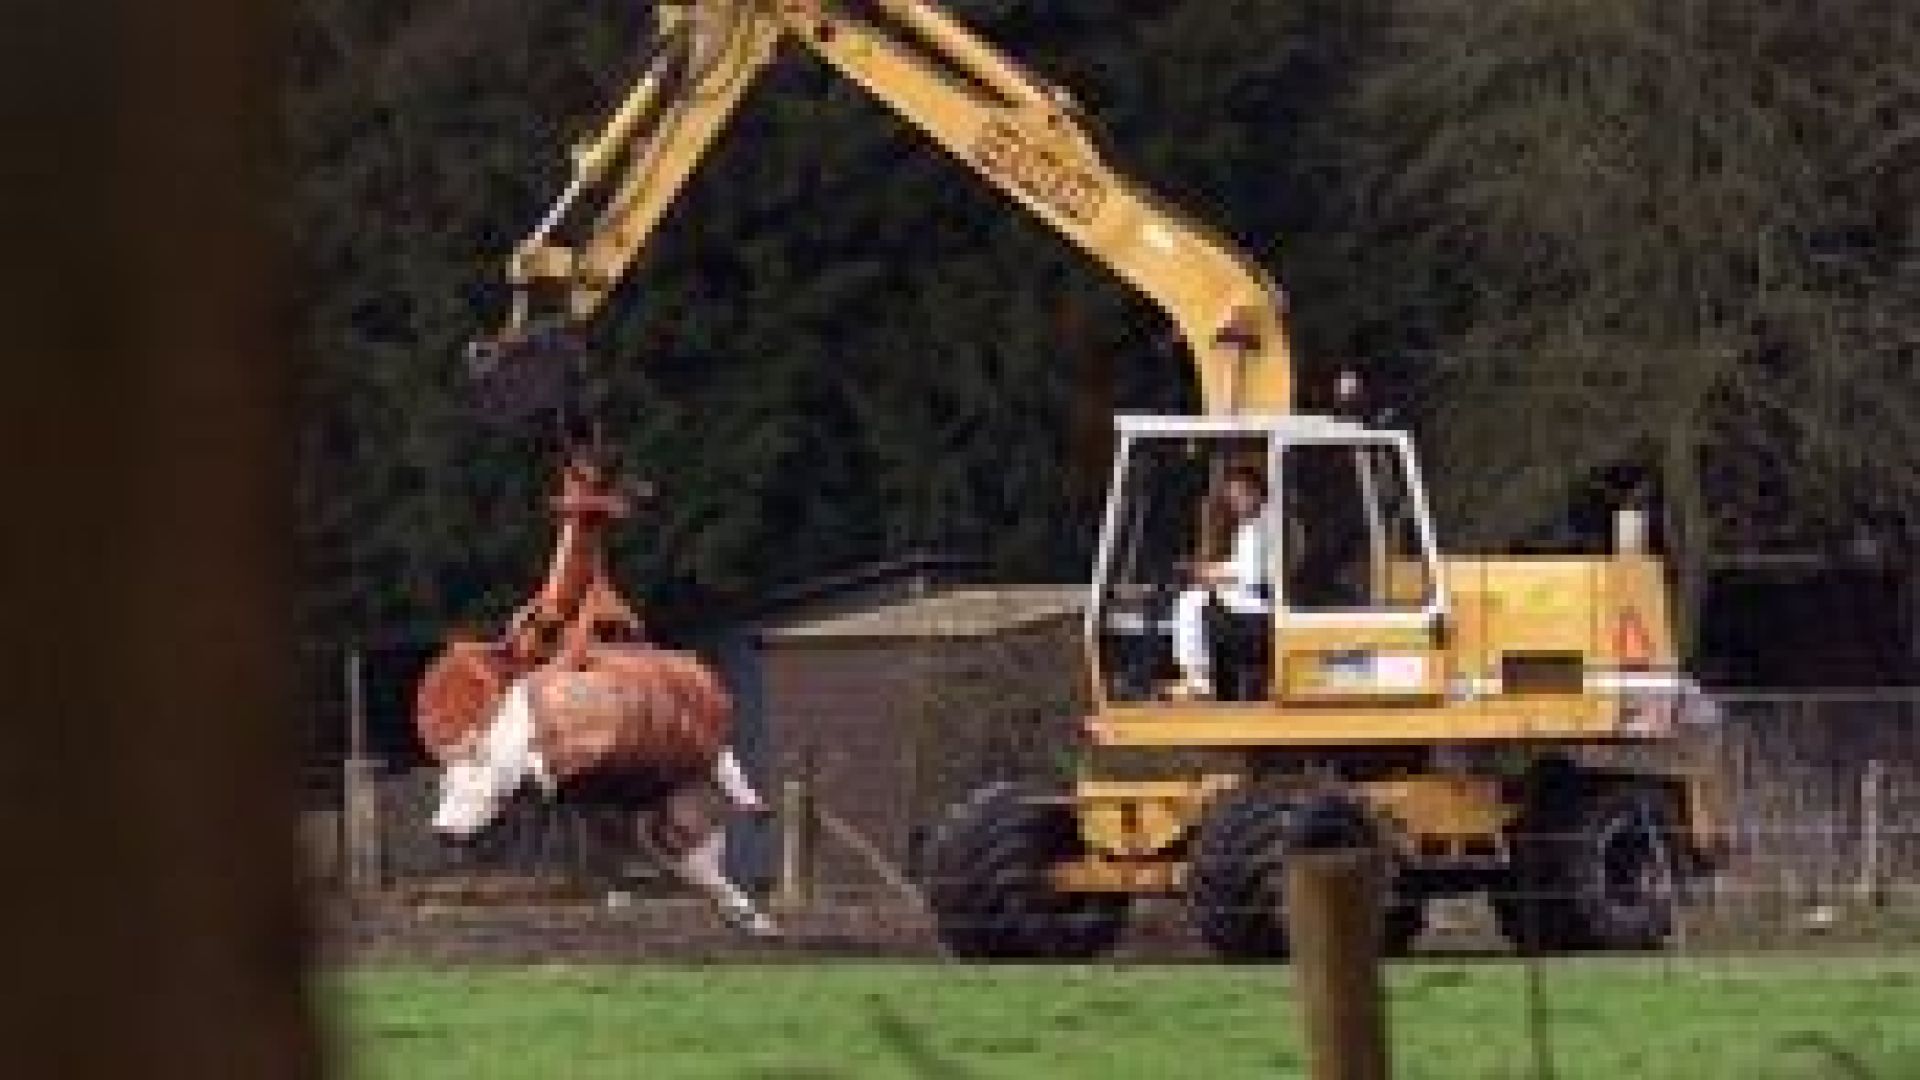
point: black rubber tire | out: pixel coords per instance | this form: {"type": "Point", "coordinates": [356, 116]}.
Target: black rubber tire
{"type": "Point", "coordinates": [1234, 864]}
{"type": "Point", "coordinates": [1405, 921]}
{"type": "Point", "coordinates": [1534, 911]}
{"type": "Point", "coordinates": [1337, 822]}
{"type": "Point", "coordinates": [986, 881]}
{"type": "Point", "coordinates": [1603, 877]}
{"type": "Point", "coordinates": [1623, 871]}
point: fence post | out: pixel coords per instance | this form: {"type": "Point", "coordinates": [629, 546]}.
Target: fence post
{"type": "Point", "coordinates": [798, 832]}
{"type": "Point", "coordinates": [1333, 908]}
{"type": "Point", "coordinates": [360, 789]}
{"type": "Point", "coordinates": [1872, 782]}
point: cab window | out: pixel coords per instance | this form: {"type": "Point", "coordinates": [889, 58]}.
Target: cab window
{"type": "Point", "coordinates": [1164, 520]}
{"type": "Point", "coordinates": [1351, 538]}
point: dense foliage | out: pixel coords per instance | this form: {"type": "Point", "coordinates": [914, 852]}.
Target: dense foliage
{"type": "Point", "coordinates": [1667, 246]}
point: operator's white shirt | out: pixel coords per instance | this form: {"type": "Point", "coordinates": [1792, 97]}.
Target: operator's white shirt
{"type": "Point", "coordinates": [1248, 592]}
{"type": "Point", "coordinates": [1249, 560]}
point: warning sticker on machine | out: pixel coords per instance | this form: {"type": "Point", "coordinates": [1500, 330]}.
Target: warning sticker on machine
{"type": "Point", "coordinates": [1365, 669]}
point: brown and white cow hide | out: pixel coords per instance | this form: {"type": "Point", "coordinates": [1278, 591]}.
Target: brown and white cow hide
{"type": "Point", "coordinates": [617, 710]}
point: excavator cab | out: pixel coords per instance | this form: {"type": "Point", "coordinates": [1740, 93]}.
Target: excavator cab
{"type": "Point", "coordinates": [1354, 605]}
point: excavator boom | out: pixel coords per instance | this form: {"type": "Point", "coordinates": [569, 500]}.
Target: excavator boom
{"type": "Point", "coordinates": [1019, 133]}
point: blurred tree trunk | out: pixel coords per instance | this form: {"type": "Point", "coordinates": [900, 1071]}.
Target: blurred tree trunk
{"type": "Point", "coordinates": [154, 920]}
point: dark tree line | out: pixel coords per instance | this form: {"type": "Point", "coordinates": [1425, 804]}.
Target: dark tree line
{"type": "Point", "coordinates": [1665, 246]}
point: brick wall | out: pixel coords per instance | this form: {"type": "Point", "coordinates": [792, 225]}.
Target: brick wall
{"type": "Point", "coordinates": [891, 731]}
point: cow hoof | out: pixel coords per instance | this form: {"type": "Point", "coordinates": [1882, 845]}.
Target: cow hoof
{"type": "Point", "coordinates": [754, 925]}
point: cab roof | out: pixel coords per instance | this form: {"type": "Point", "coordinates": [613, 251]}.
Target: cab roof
{"type": "Point", "coordinates": [1302, 426]}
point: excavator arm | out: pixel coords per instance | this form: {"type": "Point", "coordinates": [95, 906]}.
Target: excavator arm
{"type": "Point", "coordinates": [1022, 135]}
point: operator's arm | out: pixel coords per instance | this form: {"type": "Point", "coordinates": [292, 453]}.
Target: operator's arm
{"type": "Point", "coordinates": [1251, 542]}
{"type": "Point", "coordinates": [1246, 564]}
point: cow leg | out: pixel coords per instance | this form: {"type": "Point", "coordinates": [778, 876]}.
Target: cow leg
{"type": "Point", "coordinates": [733, 783]}
{"type": "Point", "coordinates": [701, 866]}
{"type": "Point", "coordinates": [697, 852]}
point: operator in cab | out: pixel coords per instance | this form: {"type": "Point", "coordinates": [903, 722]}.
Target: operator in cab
{"type": "Point", "coordinates": [1243, 583]}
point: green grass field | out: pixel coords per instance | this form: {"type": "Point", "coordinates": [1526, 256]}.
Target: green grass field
{"type": "Point", "coordinates": [1686, 1020]}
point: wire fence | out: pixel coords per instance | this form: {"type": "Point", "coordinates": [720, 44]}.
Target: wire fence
{"type": "Point", "coordinates": [1820, 827]}
{"type": "Point", "coordinates": [1796, 956]}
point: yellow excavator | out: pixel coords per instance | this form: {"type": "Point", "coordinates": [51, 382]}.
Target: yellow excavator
{"type": "Point", "coordinates": [1481, 722]}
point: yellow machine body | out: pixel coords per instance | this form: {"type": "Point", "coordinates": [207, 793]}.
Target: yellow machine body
{"type": "Point", "coordinates": [1528, 650]}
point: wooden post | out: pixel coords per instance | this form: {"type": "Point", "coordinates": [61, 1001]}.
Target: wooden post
{"type": "Point", "coordinates": [155, 911]}
{"type": "Point", "coordinates": [798, 832]}
{"type": "Point", "coordinates": [1872, 783]}
{"type": "Point", "coordinates": [1333, 919]}
{"type": "Point", "coordinates": [360, 790]}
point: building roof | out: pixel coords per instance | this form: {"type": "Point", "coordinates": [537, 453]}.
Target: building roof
{"type": "Point", "coordinates": [960, 612]}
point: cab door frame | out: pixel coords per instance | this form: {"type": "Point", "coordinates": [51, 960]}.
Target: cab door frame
{"type": "Point", "coordinates": [1357, 437]}
{"type": "Point", "coordinates": [1353, 629]}
{"type": "Point", "coordinates": [1360, 654]}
